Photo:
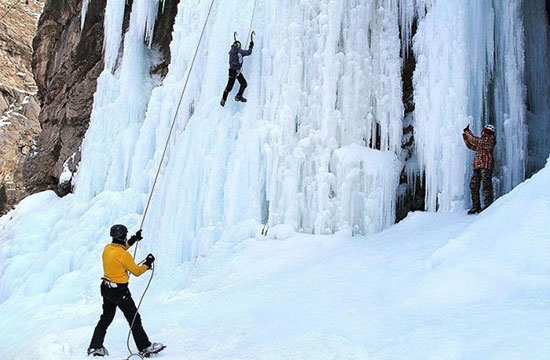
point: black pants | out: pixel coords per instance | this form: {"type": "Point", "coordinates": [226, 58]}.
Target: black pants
{"type": "Point", "coordinates": [485, 177]}
{"type": "Point", "coordinates": [121, 297]}
{"type": "Point", "coordinates": [235, 74]}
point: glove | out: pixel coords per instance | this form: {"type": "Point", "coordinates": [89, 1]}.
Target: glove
{"type": "Point", "coordinates": [134, 238]}
{"type": "Point", "coordinates": [251, 44]}
{"type": "Point", "coordinates": [149, 260]}
{"type": "Point", "coordinates": [467, 127]}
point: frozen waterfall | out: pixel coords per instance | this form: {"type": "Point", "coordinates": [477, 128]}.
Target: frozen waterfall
{"type": "Point", "coordinates": [323, 75]}
{"type": "Point", "coordinates": [318, 145]}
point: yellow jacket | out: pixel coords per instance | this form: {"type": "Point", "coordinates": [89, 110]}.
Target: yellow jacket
{"type": "Point", "coordinates": [117, 262]}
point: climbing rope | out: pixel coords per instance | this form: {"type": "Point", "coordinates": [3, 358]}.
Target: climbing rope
{"type": "Point", "coordinates": [157, 175]}
{"type": "Point", "coordinates": [250, 37]}
{"type": "Point", "coordinates": [137, 312]}
{"type": "Point", "coordinates": [174, 121]}
{"type": "Point", "coordinates": [250, 32]}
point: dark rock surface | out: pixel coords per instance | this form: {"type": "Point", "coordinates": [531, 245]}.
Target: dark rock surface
{"type": "Point", "coordinates": [66, 64]}
{"type": "Point", "coordinates": [19, 107]}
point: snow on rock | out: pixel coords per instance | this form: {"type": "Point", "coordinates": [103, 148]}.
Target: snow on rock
{"type": "Point", "coordinates": [67, 174]}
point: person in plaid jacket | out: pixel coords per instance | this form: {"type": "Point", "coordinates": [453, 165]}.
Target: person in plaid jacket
{"type": "Point", "coordinates": [483, 165]}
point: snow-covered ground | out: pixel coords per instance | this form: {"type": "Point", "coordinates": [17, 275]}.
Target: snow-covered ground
{"type": "Point", "coordinates": [435, 286]}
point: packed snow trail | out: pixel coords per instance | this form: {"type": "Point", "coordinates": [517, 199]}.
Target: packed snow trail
{"type": "Point", "coordinates": [434, 286]}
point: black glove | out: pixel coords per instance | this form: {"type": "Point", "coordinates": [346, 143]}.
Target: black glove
{"type": "Point", "coordinates": [149, 260]}
{"type": "Point", "coordinates": [134, 238]}
{"type": "Point", "coordinates": [467, 127]}
{"type": "Point", "coordinates": [251, 45]}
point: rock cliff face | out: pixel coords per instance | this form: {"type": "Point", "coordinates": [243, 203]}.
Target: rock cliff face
{"type": "Point", "coordinates": [18, 102]}
{"type": "Point", "coordinates": [66, 63]}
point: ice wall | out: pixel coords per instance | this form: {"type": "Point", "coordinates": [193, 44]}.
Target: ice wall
{"type": "Point", "coordinates": [470, 70]}
{"type": "Point", "coordinates": [324, 75]}
{"type": "Point", "coordinates": [508, 107]}
{"type": "Point", "coordinates": [441, 103]}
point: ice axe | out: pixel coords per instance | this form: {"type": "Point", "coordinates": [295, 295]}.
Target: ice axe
{"type": "Point", "coordinates": [265, 230]}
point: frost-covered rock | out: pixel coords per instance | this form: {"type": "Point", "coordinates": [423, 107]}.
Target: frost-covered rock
{"type": "Point", "coordinates": [19, 105]}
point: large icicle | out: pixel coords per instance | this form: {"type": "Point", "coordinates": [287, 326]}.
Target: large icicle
{"type": "Point", "coordinates": [83, 13]}
{"type": "Point", "coordinates": [347, 55]}
{"type": "Point", "coordinates": [508, 108]}
{"type": "Point", "coordinates": [114, 16]}
{"type": "Point", "coordinates": [441, 97]}
{"type": "Point", "coordinates": [120, 103]}
{"type": "Point", "coordinates": [469, 70]}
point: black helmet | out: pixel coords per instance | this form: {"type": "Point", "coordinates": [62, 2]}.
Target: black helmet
{"type": "Point", "coordinates": [119, 231]}
{"type": "Point", "coordinates": [236, 44]}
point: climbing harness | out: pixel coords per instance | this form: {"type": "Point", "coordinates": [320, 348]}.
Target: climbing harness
{"type": "Point", "coordinates": [157, 175]}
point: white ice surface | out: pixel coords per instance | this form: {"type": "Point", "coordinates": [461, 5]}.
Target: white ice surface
{"type": "Point", "coordinates": [470, 69]}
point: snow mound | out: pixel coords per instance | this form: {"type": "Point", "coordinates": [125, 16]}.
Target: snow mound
{"type": "Point", "coordinates": [436, 285]}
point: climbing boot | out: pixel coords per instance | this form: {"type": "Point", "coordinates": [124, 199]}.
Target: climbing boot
{"type": "Point", "coordinates": [154, 348]}
{"type": "Point", "coordinates": [240, 98]}
{"type": "Point", "coordinates": [474, 210]}
{"type": "Point", "coordinates": [98, 352]}
{"type": "Point", "coordinates": [222, 103]}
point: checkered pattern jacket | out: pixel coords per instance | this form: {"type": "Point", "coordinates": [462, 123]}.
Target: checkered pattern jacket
{"type": "Point", "coordinates": [483, 146]}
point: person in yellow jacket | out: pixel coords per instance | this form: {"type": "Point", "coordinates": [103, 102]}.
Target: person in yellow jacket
{"type": "Point", "coordinates": [117, 262]}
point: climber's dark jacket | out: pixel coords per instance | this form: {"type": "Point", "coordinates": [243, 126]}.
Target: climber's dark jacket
{"type": "Point", "coordinates": [236, 57]}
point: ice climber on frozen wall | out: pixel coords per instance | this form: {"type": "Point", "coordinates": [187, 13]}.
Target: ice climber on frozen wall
{"type": "Point", "coordinates": [117, 262]}
{"type": "Point", "coordinates": [236, 55]}
{"type": "Point", "coordinates": [483, 165]}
